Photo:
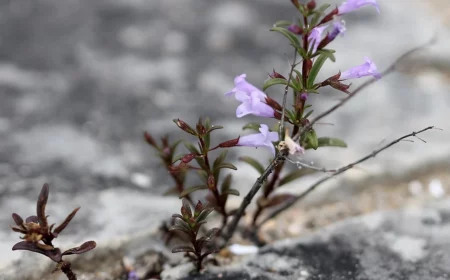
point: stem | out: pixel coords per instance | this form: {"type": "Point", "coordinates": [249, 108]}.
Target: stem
{"type": "Point", "coordinates": [286, 89]}
{"type": "Point", "coordinates": [386, 72]}
{"type": "Point", "coordinates": [339, 171]}
{"type": "Point", "coordinates": [280, 156]}
{"type": "Point", "coordinates": [67, 270]}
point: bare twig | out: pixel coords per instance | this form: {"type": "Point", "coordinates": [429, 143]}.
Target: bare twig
{"type": "Point", "coordinates": [386, 72]}
{"type": "Point", "coordinates": [340, 171]}
{"type": "Point", "coordinates": [286, 89]}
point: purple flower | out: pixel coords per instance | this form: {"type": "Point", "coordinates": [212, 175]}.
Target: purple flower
{"type": "Point", "coordinates": [294, 28]}
{"type": "Point", "coordinates": [304, 96]}
{"type": "Point", "coordinates": [252, 104]}
{"type": "Point", "coordinates": [338, 28]}
{"type": "Point", "coordinates": [351, 5]}
{"type": "Point", "coordinates": [241, 85]}
{"type": "Point", "coordinates": [315, 37]}
{"type": "Point", "coordinates": [263, 139]}
{"type": "Point", "coordinates": [367, 69]}
{"type": "Point", "coordinates": [132, 275]}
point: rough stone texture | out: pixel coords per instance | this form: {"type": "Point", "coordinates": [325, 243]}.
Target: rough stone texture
{"type": "Point", "coordinates": [406, 244]}
{"type": "Point", "coordinates": [80, 81]}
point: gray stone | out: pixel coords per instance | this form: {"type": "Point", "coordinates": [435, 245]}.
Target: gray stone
{"type": "Point", "coordinates": [405, 244]}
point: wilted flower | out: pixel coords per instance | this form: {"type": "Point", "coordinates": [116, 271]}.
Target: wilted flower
{"type": "Point", "coordinates": [241, 85]}
{"type": "Point", "coordinates": [263, 139]}
{"type": "Point", "coordinates": [338, 28]}
{"type": "Point", "coordinates": [367, 69]}
{"type": "Point", "coordinates": [293, 147]}
{"type": "Point", "coordinates": [351, 5]}
{"type": "Point", "coordinates": [315, 37]}
{"type": "Point", "coordinates": [252, 104]}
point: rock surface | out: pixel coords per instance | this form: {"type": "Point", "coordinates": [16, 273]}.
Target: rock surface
{"type": "Point", "coordinates": [406, 244]}
{"type": "Point", "coordinates": [80, 81]}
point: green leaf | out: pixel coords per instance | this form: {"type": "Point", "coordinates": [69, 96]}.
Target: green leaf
{"type": "Point", "coordinates": [294, 175]}
{"type": "Point", "coordinates": [226, 183]}
{"type": "Point", "coordinates": [290, 36]}
{"type": "Point", "coordinates": [282, 23]}
{"type": "Point", "coordinates": [331, 142]}
{"type": "Point", "coordinates": [214, 127]}
{"type": "Point", "coordinates": [219, 160]}
{"type": "Point", "coordinates": [315, 69]}
{"type": "Point", "coordinates": [252, 126]}
{"type": "Point", "coordinates": [231, 191]}
{"type": "Point", "coordinates": [192, 189]}
{"type": "Point", "coordinates": [312, 139]}
{"type": "Point", "coordinates": [226, 165]}
{"type": "Point", "coordinates": [191, 148]}
{"type": "Point", "coordinates": [254, 163]}
{"type": "Point", "coordinates": [308, 114]}
{"type": "Point", "coordinates": [280, 81]}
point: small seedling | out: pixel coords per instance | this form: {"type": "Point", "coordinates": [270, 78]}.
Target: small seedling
{"type": "Point", "coordinates": [187, 226]}
{"type": "Point", "coordinates": [38, 236]}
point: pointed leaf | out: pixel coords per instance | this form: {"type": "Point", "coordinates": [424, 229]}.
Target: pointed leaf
{"type": "Point", "coordinates": [193, 189]}
{"type": "Point", "coordinates": [204, 214]}
{"type": "Point", "coordinates": [254, 163]}
{"type": "Point", "coordinates": [191, 148]}
{"type": "Point", "coordinates": [214, 127]}
{"type": "Point", "coordinates": [171, 191]}
{"type": "Point", "coordinates": [226, 183]}
{"type": "Point", "coordinates": [316, 69]}
{"type": "Point", "coordinates": [318, 13]}
{"type": "Point", "coordinates": [220, 159]}
{"type": "Point", "coordinates": [212, 233]}
{"type": "Point", "coordinates": [331, 142]}
{"type": "Point", "coordinates": [180, 249]}
{"type": "Point", "coordinates": [282, 23]}
{"type": "Point", "coordinates": [66, 221]}
{"type": "Point", "coordinates": [278, 199]}
{"type": "Point", "coordinates": [286, 33]}
{"type": "Point", "coordinates": [226, 165]}
{"type": "Point", "coordinates": [85, 247]}
{"type": "Point", "coordinates": [232, 192]}
{"type": "Point", "coordinates": [295, 175]}
{"type": "Point", "coordinates": [40, 207]}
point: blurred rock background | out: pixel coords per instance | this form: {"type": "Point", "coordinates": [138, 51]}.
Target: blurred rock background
{"type": "Point", "coordinates": [81, 80]}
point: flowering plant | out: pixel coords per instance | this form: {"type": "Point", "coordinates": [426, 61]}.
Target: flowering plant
{"type": "Point", "coordinates": [292, 136]}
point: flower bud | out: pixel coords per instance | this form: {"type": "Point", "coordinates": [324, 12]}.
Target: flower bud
{"type": "Point", "coordinates": [329, 17]}
{"type": "Point", "coordinates": [276, 75]}
{"type": "Point", "coordinates": [229, 143]}
{"type": "Point", "coordinates": [294, 28]}
{"type": "Point", "coordinates": [311, 5]}
{"type": "Point", "coordinates": [184, 126]}
{"type": "Point", "coordinates": [188, 158]}
{"type": "Point", "coordinates": [272, 103]}
{"type": "Point", "coordinates": [149, 139]}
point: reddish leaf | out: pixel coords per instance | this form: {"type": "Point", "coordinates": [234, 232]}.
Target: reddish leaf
{"type": "Point", "coordinates": [42, 202]}
{"type": "Point", "coordinates": [186, 208]}
{"type": "Point", "coordinates": [17, 219]}
{"type": "Point", "coordinates": [54, 254]}
{"type": "Point", "coordinates": [85, 247]}
{"type": "Point", "coordinates": [198, 208]}
{"type": "Point", "coordinates": [179, 249]}
{"type": "Point", "coordinates": [62, 226]}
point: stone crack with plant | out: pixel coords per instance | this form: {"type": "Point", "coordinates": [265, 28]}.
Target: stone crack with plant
{"type": "Point", "coordinates": [293, 135]}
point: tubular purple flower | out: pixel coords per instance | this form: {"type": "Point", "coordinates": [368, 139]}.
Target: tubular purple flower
{"type": "Point", "coordinates": [315, 37]}
{"type": "Point", "coordinates": [351, 5]}
{"type": "Point", "coordinates": [252, 104]}
{"type": "Point", "coordinates": [263, 139]}
{"type": "Point", "coordinates": [338, 28]}
{"type": "Point", "coordinates": [241, 85]}
{"type": "Point", "coordinates": [367, 69]}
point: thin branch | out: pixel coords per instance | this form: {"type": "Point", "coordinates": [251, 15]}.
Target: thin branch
{"type": "Point", "coordinates": [340, 171]}
{"type": "Point", "coordinates": [386, 72]}
{"type": "Point", "coordinates": [286, 89]}
{"type": "Point", "coordinates": [248, 198]}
